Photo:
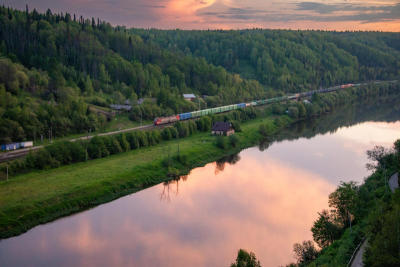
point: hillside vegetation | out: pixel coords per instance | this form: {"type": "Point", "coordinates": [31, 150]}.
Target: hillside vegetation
{"type": "Point", "coordinates": [53, 67]}
{"type": "Point", "coordinates": [290, 60]}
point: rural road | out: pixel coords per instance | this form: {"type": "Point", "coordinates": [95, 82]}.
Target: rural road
{"type": "Point", "coordinates": [357, 262]}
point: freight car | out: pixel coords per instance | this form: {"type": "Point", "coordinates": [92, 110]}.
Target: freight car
{"type": "Point", "coordinates": [15, 146]}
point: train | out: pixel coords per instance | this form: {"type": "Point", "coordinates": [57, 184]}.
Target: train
{"type": "Point", "coordinates": [15, 146]}
{"type": "Point", "coordinates": [204, 112]}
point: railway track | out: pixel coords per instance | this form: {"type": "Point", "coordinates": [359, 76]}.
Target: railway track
{"type": "Point", "coordinates": [6, 156]}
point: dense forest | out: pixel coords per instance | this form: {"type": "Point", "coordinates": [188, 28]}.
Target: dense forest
{"type": "Point", "coordinates": [290, 60]}
{"type": "Point", "coordinates": [54, 68]}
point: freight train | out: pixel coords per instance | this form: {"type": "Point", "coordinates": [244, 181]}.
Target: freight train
{"type": "Point", "coordinates": [204, 112]}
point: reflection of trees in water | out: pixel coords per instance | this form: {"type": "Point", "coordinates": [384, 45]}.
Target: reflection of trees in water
{"type": "Point", "coordinates": [385, 109]}
{"type": "Point", "coordinates": [171, 187]}
{"type": "Point", "coordinates": [220, 164]}
{"type": "Point", "coordinates": [264, 144]}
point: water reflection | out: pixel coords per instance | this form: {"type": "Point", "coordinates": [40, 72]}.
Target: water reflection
{"type": "Point", "coordinates": [220, 164]}
{"type": "Point", "coordinates": [171, 187]}
{"type": "Point", "coordinates": [261, 201]}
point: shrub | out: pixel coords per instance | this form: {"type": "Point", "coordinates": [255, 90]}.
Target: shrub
{"type": "Point", "coordinates": [123, 142]}
{"type": "Point", "coordinates": [233, 140]}
{"type": "Point", "coordinates": [265, 129]}
{"type": "Point", "coordinates": [220, 142]}
{"type": "Point", "coordinates": [236, 126]}
{"type": "Point", "coordinates": [97, 148]}
{"type": "Point", "coordinates": [182, 129]}
{"type": "Point", "coordinates": [174, 132]}
{"type": "Point", "coordinates": [78, 152]}
{"type": "Point", "coordinates": [113, 145]}
{"type": "Point", "coordinates": [166, 134]}
{"type": "Point", "coordinates": [142, 138]}
{"type": "Point", "coordinates": [133, 140]}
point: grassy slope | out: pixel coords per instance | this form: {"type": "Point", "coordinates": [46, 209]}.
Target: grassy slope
{"type": "Point", "coordinates": [42, 196]}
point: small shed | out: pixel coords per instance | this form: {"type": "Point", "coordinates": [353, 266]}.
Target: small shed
{"type": "Point", "coordinates": [222, 128]}
{"type": "Point", "coordinates": [189, 97]}
{"type": "Point", "coordinates": [121, 107]}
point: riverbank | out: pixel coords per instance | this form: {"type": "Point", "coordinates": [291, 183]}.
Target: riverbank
{"type": "Point", "coordinates": [42, 196]}
{"type": "Point", "coordinates": [37, 197]}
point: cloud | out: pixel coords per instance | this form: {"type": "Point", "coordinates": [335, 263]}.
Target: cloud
{"type": "Point", "coordinates": [306, 11]}
{"type": "Point", "coordinates": [365, 13]}
{"type": "Point", "coordinates": [228, 14]}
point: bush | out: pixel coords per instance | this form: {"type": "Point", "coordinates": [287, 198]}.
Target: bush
{"type": "Point", "coordinates": [174, 132]}
{"type": "Point", "coordinates": [265, 129]}
{"type": "Point", "coordinates": [60, 151]}
{"type": "Point", "coordinates": [236, 126]}
{"type": "Point", "coordinates": [123, 142]}
{"type": "Point", "coordinates": [183, 159]}
{"type": "Point", "coordinates": [220, 142]}
{"type": "Point", "coordinates": [182, 129]}
{"type": "Point", "coordinates": [142, 138]}
{"type": "Point", "coordinates": [113, 145]}
{"type": "Point", "coordinates": [204, 124]}
{"type": "Point", "coordinates": [133, 140]}
{"type": "Point", "coordinates": [97, 148]}
{"type": "Point", "coordinates": [166, 134]}
{"type": "Point", "coordinates": [233, 140]}
{"type": "Point", "coordinates": [78, 152]}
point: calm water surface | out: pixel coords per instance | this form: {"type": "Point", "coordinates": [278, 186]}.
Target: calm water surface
{"type": "Point", "coordinates": [263, 201]}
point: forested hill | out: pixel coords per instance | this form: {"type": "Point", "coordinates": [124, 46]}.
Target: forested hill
{"type": "Point", "coordinates": [53, 65]}
{"type": "Point", "coordinates": [290, 60]}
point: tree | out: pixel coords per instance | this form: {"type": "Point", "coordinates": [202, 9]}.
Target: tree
{"type": "Point", "coordinates": [246, 259]}
{"type": "Point", "coordinates": [265, 129]}
{"type": "Point", "coordinates": [343, 201]}
{"type": "Point", "coordinates": [376, 155]}
{"type": "Point", "coordinates": [397, 146]}
{"type": "Point", "coordinates": [325, 230]}
{"type": "Point", "coordinates": [305, 252]}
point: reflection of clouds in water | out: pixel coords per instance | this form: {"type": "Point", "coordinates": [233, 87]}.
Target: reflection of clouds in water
{"type": "Point", "coordinates": [337, 156]}
{"type": "Point", "coordinates": [264, 202]}
{"type": "Point", "coordinates": [372, 133]}
{"type": "Point", "coordinates": [251, 204]}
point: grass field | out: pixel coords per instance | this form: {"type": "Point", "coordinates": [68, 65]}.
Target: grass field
{"type": "Point", "coordinates": [41, 196]}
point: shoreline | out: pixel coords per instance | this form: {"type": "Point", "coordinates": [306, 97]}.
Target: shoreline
{"type": "Point", "coordinates": [42, 196]}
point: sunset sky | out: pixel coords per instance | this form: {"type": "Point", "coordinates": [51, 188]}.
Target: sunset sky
{"type": "Point", "coordinates": [382, 15]}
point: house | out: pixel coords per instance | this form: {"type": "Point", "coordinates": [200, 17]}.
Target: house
{"type": "Point", "coordinates": [222, 128]}
{"type": "Point", "coordinates": [189, 97]}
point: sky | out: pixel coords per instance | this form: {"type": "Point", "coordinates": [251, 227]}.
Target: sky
{"type": "Point", "coordinates": [376, 15]}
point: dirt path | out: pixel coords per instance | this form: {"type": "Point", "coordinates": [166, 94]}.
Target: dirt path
{"type": "Point", "coordinates": [357, 261]}
{"type": "Point", "coordinates": [394, 182]}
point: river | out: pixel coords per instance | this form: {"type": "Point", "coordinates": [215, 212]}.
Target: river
{"type": "Point", "coordinates": [263, 199]}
